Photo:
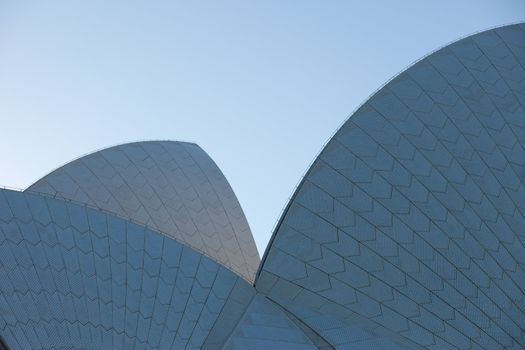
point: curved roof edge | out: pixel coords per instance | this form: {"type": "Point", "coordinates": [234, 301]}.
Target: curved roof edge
{"type": "Point", "coordinates": [125, 219]}
{"type": "Point", "coordinates": [294, 192]}
{"type": "Point", "coordinates": [96, 150]}
{"type": "Point", "coordinates": [150, 267]}
{"type": "Point", "coordinates": [170, 186]}
{"type": "Point", "coordinates": [392, 220]}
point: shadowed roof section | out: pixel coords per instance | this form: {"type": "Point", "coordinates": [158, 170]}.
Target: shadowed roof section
{"type": "Point", "coordinates": [172, 187]}
{"type": "Point", "coordinates": [408, 231]}
{"type": "Point", "coordinates": [73, 277]}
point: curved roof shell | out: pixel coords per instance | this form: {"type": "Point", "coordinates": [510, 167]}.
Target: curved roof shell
{"type": "Point", "coordinates": [172, 187]}
{"type": "Point", "coordinates": [408, 230]}
{"type": "Point", "coordinates": [76, 277]}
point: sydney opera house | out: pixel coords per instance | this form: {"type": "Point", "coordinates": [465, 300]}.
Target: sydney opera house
{"type": "Point", "coordinates": [407, 232]}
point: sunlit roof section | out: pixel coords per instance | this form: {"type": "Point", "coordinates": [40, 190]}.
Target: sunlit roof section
{"type": "Point", "coordinates": [172, 187]}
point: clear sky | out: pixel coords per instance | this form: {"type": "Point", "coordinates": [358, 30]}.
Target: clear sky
{"type": "Point", "coordinates": [260, 85]}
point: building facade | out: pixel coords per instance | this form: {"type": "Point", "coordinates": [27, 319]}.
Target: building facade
{"type": "Point", "coordinates": [407, 232]}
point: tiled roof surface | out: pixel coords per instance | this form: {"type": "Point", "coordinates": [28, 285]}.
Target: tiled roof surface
{"type": "Point", "coordinates": [408, 232]}
{"type": "Point", "coordinates": [173, 187]}
{"type": "Point", "coordinates": [413, 216]}
{"type": "Point", "coordinates": [74, 277]}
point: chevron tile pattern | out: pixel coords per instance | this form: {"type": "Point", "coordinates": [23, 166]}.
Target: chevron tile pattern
{"type": "Point", "coordinates": [408, 232]}
{"type": "Point", "coordinates": [74, 277]}
{"type": "Point", "coordinates": [413, 216]}
{"type": "Point", "coordinates": [172, 187]}
{"type": "Point", "coordinates": [265, 326]}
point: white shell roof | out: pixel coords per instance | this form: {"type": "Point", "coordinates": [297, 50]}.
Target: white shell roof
{"type": "Point", "coordinates": [173, 187]}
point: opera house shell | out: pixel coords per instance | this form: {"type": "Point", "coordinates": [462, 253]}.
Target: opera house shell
{"type": "Point", "coordinates": [407, 232]}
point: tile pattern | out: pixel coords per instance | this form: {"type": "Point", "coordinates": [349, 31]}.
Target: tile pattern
{"type": "Point", "coordinates": [172, 187]}
{"type": "Point", "coordinates": [410, 225]}
{"type": "Point", "coordinates": [265, 326]}
{"type": "Point", "coordinates": [407, 232]}
{"type": "Point", "coordinates": [77, 278]}
{"type": "Point", "coordinates": [332, 325]}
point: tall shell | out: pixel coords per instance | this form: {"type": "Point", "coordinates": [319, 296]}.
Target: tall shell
{"type": "Point", "coordinates": [408, 230]}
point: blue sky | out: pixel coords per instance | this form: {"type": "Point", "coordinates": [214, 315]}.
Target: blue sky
{"type": "Point", "coordinates": [261, 86]}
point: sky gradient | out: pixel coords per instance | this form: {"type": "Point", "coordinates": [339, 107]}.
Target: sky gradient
{"type": "Point", "coordinates": [261, 86]}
